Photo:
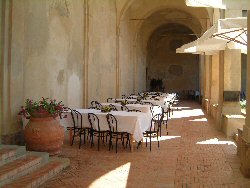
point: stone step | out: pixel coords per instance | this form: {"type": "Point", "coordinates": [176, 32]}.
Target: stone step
{"type": "Point", "coordinates": [41, 175]}
{"type": "Point", "coordinates": [9, 153]}
{"type": "Point", "coordinates": [22, 166]}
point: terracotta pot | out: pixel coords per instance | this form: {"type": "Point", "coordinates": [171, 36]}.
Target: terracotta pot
{"type": "Point", "coordinates": [43, 114]}
{"type": "Point", "coordinates": [44, 134]}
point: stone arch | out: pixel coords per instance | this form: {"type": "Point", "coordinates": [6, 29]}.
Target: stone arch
{"type": "Point", "coordinates": [138, 14]}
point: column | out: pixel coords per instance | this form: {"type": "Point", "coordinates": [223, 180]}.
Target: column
{"type": "Point", "coordinates": [246, 128]}
{"type": "Point", "coordinates": [243, 144]}
{"type": "Point", "coordinates": [207, 89]}
{"type": "Point", "coordinates": [232, 82]}
{"type": "Point", "coordinates": [220, 90]}
{"type": "Point", "coordinates": [214, 97]}
{"type": "Point", "coordinates": [5, 68]}
{"type": "Point", "coordinates": [202, 78]}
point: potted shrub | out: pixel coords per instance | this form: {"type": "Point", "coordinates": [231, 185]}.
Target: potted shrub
{"type": "Point", "coordinates": [43, 131]}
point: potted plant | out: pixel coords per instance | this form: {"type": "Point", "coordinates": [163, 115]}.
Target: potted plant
{"type": "Point", "coordinates": [43, 131]}
{"type": "Point", "coordinates": [125, 102]}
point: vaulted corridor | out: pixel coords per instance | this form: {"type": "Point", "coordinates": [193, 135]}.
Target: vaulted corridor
{"type": "Point", "coordinates": [193, 154]}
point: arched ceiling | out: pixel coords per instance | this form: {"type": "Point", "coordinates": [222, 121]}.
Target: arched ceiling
{"type": "Point", "coordinates": [147, 15]}
{"type": "Point", "coordinates": [173, 30]}
{"type": "Point", "coordinates": [165, 17]}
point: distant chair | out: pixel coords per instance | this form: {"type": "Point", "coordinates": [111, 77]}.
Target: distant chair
{"type": "Point", "coordinates": [124, 97]}
{"type": "Point", "coordinates": [157, 109]}
{"type": "Point", "coordinates": [64, 114]}
{"type": "Point", "coordinates": [95, 129]}
{"type": "Point", "coordinates": [109, 100]}
{"type": "Point", "coordinates": [140, 94]}
{"type": "Point", "coordinates": [124, 108]}
{"type": "Point", "coordinates": [165, 121]}
{"type": "Point", "coordinates": [129, 97]}
{"type": "Point", "coordinates": [113, 107]}
{"type": "Point", "coordinates": [96, 105]}
{"type": "Point", "coordinates": [197, 95]}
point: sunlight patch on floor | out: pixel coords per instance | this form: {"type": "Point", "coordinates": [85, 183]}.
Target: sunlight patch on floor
{"type": "Point", "coordinates": [187, 113]}
{"type": "Point", "coordinates": [120, 174]}
{"type": "Point", "coordinates": [200, 119]}
{"type": "Point", "coordinates": [217, 141]}
{"type": "Point", "coordinates": [154, 139]}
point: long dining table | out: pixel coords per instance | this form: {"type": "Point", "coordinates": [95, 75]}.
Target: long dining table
{"type": "Point", "coordinates": [135, 123]}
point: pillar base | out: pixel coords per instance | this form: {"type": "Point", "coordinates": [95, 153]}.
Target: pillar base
{"type": "Point", "coordinates": [231, 108]}
{"type": "Point", "coordinates": [206, 105]}
{"type": "Point", "coordinates": [243, 150]}
{"type": "Point", "coordinates": [246, 133]}
{"type": "Point", "coordinates": [213, 110]}
{"type": "Point", "coordinates": [231, 124]}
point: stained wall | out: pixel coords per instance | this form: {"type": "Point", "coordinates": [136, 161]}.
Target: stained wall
{"type": "Point", "coordinates": [45, 55]}
{"type": "Point", "coordinates": [75, 51]}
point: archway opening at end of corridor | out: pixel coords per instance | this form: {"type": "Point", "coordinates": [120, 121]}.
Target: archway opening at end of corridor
{"type": "Point", "coordinates": [168, 71]}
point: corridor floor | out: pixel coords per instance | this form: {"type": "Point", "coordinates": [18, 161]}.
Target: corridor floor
{"type": "Point", "coordinates": [193, 154]}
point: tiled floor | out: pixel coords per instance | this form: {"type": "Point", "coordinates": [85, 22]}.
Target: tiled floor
{"type": "Point", "coordinates": [194, 154]}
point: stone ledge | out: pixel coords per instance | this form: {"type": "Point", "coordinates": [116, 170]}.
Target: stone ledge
{"type": "Point", "coordinates": [231, 124]}
{"type": "Point", "coordinates": [243, 151]}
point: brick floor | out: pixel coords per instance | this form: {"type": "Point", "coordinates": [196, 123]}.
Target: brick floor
{"type": "Point", "coordinates": [194, 154]}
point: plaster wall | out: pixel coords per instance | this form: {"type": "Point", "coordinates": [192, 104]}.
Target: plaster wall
{"type": "Point", "coordinates": [208, 75]}
{"type": "Point", "coordinates": [55, 50]}
{"type": "Point", "coordinates": [233, 13]}
{"type": "Point", "coordinates": [141, 66]}
{"type": "Point", "coordinates": [126, 51]}
{"type": "Point", "coordinates": [102, 50]}
{"type": "Point", "coordinates": [46, 54]}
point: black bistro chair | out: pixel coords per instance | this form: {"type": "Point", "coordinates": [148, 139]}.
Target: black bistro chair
{"type": "Point", "coordinates": [96, 105]}
{"type": "Point", "coordinates": [66, 111]}
{"type": "Point", "coordinates": [95, 129]}
{"type": "Point", "coordinates": [124, 108]}
{"type": "Point", "coordinates": [157, 109]}
{"type": "Point", "coordinates": [115, 134]}
{"type": "Point", "coordinates": [109, 100]}
{"type": "Point", "coordinates": [78, 129]}
{"type": "Point", "coordinates": [113, 107]}
{"type": "Point", "coordinates": [154, 129]}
